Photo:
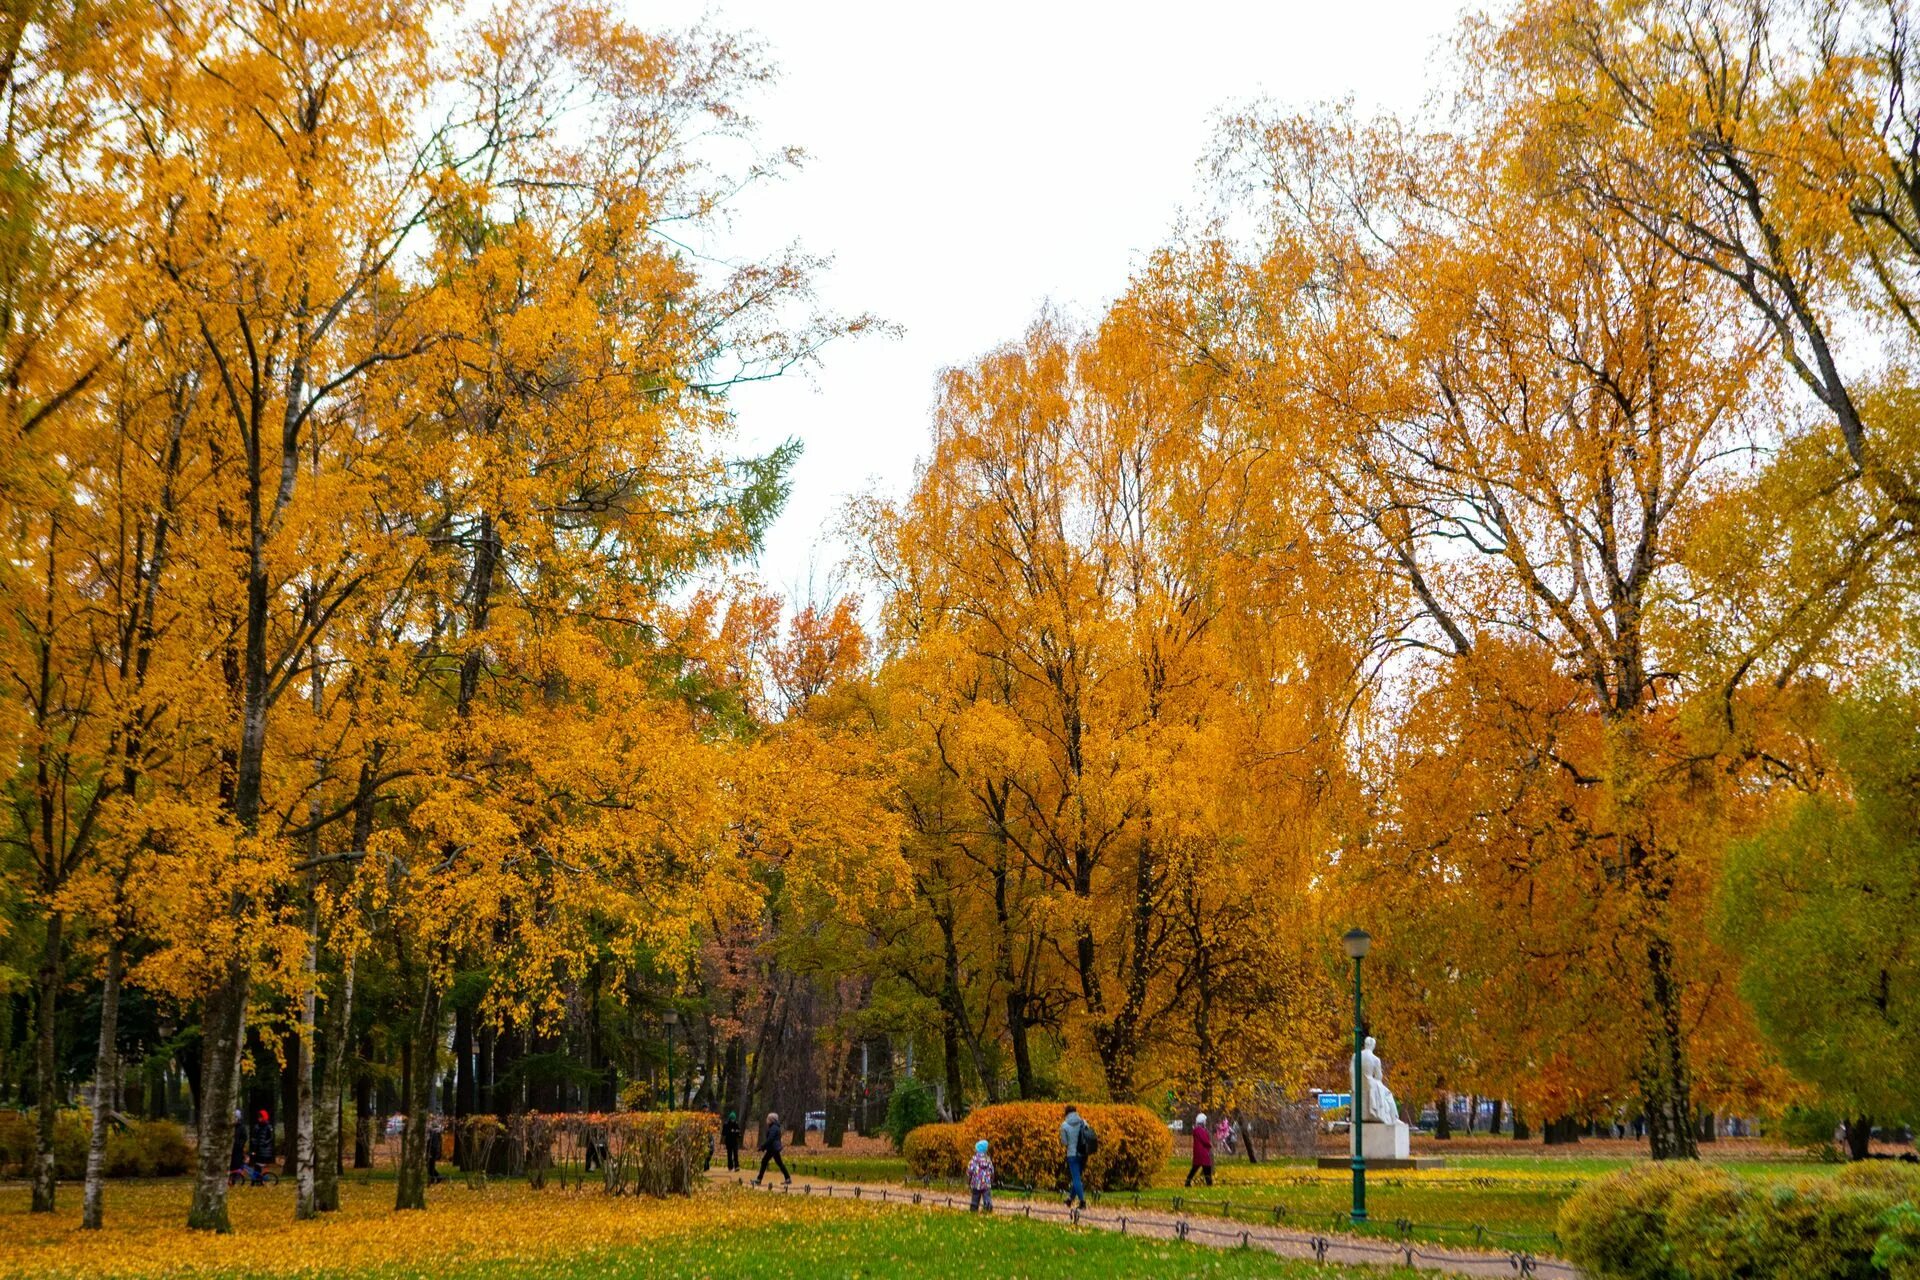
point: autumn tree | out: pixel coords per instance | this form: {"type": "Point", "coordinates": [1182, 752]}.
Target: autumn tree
{"type": "Point", "coordinates": [1818, 905]}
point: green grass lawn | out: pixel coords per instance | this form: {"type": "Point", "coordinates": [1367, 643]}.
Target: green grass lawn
{"type": "Point", "coordinates": [913, 1243]}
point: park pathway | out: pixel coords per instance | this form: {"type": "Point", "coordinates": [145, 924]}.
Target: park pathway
{"type": "Point", "coordinates": [1330, 1247]}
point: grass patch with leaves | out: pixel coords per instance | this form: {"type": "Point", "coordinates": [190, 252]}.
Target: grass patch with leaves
{"type": "Point", "coordinates": [512, 1233]}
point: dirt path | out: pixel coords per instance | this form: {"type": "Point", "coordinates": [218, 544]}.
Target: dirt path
{"type": "Point", "coordinates": [1328, 1247]}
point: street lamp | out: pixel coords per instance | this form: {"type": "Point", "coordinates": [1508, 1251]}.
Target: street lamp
{"type": "Point", "coordinates": [1358, 942]}
{"type": "Point", "coordinates": [670, 1018]}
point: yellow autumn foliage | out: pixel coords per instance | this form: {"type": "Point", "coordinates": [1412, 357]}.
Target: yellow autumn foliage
{"type": "Point", "coordinates": [144, 1239]}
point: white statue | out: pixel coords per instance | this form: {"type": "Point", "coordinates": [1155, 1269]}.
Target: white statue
{"type": "Point", "coordinates": [1378, 1104]}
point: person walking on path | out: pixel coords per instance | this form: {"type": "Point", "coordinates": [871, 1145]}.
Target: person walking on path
{"type": "Point", "coordinates": [980, 1179]}
{"type": "Point", "coordinates": [1076, 1138]}
{"type": "Point", "coordinates": [1223, 1136]}
{"type": "Point", "coordinates": [1202, 1150]}
{"type": "Point", "coordinates": [770, 1146]}
{"type": "Point", "coordinates": [730, 1139]}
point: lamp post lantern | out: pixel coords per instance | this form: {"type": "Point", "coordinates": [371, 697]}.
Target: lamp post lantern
{"type": "Point", "coordinates": [670, 1018]}
{"type": "Point", "coordinates": [1358, 942]}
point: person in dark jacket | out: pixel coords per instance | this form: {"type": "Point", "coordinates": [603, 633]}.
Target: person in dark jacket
{"type": "Point", "coordinates": [730, 1134]}
{"type": "Point", "coordinates": [770, 1147]}
{"type": "Point", "coordinates": [260, 1147]}
{"type": "Point", "coordinates": [1202, 1150]}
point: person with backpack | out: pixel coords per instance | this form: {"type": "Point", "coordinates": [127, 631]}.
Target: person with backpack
{"type": "Point", "coordinates": [980, 1179]}
{"type": "Point", "coordinates": [1202, 1150]}
{"type": "Point", "coordinates": [770, 1147]}
{"type": "Point", "coordinates": [1079, 1141]}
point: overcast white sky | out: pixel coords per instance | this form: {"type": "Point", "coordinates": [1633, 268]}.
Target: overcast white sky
{"type": "Point", "coordinates": [972, 161]}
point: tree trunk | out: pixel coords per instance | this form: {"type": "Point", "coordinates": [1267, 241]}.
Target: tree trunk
{"type": "Point", "coordinates": [1017, 1033]}
{"type": "Point", "coordinates": [333, 1072]}
{"type": "Point", "coordinates": [224, 1026]}
{"type": "Point", "coordinates": [412, 1189]}
{"type": "Point", "coordinates": [104, 1062]}
{"type": "Point", "coordinates": [950, 1048]}
{"type": "Point", "coordinates": [1520, 1131]}
{"type": "Point", "coordinates": [464, 1086]}
{"type": "Point", "coordinates": [45, 1066]}
{"type": "Point", "coordinates": [289, 1106]}
{"type": "Point", "coordinates": [1564, 1130]}
{"type": "Point", "coordinates": [363, 1118]}
{"type": "Point", "coordinates": [1665, 1090]}
{"type": "Point", "coordinates": [1499, 1105]}
{"type": "Point", "coordinates": [306, 1202]}
{"type": "Point", "coordinates": [1443, 1127]}
{"type": "Point", "coordinates": [1860, 1137]}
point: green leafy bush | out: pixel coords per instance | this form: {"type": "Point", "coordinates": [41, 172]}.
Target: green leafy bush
{"type": "Point", "coordinates": [1708, 1233]}
{"type": "Point", "coordinates": [1815, 1229]}
{"type": "Point", "coordinates": [937, 1151]}
{"type": "Point", "coordinates": [1898, 1250]}
{"type": "Point", "coordinates": [911, 1106]}
{"type": "Point", "coordinates": [1811, 1129]}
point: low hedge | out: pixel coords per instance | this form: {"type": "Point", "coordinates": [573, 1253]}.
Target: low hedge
{"type": "Point", "coordinates": [140, 1149]}
{"type": "Point", "coordinates": [937, 1151]}
{"type": "Point", "coordinates": [1689, 1222]}
{"type": "Point", "coordinates": [1024, 1141]}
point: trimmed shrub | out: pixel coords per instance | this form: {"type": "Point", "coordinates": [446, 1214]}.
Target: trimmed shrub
{"type": "Point", "coordinates": [1025, 1144]}
{"type": "Point", "coordinates": [1896, 1178]}
{"type": "Point", "coordinates": [937, 1151]}
{"type": "Point", "coordinates": [1671, 1222]}
{"type": "Point", "coordinates": [143, 1149]}
{"type": "Point", "coordinates": [1134, 1145]}
{"type": "Point", "coordinates": [1709, 1235]}
{"type": "Point", "coordinates": [16, 1143]}
{"type": "Point", "coordinates": [1814, 1229]}
{"type": "Point", "coordinates": [148, 1149]}
{"type": "Point", "coordinates": [1615, 1228]}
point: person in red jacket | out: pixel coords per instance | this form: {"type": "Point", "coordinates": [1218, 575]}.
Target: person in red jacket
{"type": "Point", "coordinates": [1202, 1150]}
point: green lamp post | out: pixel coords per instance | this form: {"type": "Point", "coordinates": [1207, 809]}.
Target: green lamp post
{"type": "Point", "coordinates": [1358, 943]}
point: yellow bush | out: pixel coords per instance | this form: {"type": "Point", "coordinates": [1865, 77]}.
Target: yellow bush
{"type": "Point", "coordinates": [1024, 1141]}
{"type": "Point", "coordinates": [1892, 1176]}
{"type": "Point", "coordinates": [1615, 1228]}
{"type": "Point", "coordinates": [937, 1151]}
{"type": "Point", "coordinates": [1670, 1222]}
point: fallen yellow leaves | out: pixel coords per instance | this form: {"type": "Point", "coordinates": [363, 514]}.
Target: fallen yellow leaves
{"type": "Point", "coordinates": [144, 1237]}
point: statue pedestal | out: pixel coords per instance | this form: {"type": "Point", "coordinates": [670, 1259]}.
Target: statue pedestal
{"type": "Point", "coordinates": [1385, 1140]}
{"type": "Point", "coordinates": [1386, 1145]}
